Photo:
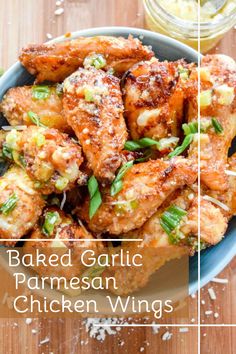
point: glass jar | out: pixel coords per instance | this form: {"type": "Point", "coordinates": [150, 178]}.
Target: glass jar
{"type": "Point", "coordinates": [186, 31]}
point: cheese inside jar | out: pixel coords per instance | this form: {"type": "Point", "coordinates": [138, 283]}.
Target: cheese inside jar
{"type": "Point", "coordinates": [179, 19]}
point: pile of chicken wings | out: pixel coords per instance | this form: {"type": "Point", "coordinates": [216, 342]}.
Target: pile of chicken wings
{"type": "Point", "coordinates": [106, 144]}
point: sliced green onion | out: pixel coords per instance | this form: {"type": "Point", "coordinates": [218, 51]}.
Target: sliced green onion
{"type": "Point", "coordinates": [88, 94]}
{"type": "Point", "coordinates": [174, 209]}
{"type": "Point", "coordinates": [132, 145]}
{"type": "Point", "coordinates": [9, 205]}
{"type": "Point", "coordinates": [146, 142]}
{"type": "Point", "coordinates": [164, 143]}
{"type": "Point", "coordinates": [19, 158]}
{"type": "Point", "coordinates": [165, 227]}
{"type": "Point", "coordinates": [117, 184]}
{"type": "Point", "coordinates": [190, 128]}
{"type": "Point", "coordinates": [39, 139]}
{"type": "Point", "coordinates": [187, 141]}
{"type": "Point", "coordinates": [35, 119]}
{"type": "Point", "coordinates": [95, 196]}
{"type": "Point", "coordinates": [1, 71]}
{"type": "Point", "coordinates": [6, 152]}
{"type": "Point", "coordinates": [52, 218]}
{"type": "Point", "coordinates": [170, 220]}
{"type": "Point", "coordinates": [40, 92]}
{"type": "Point", "coordinates": [217, 126]}
{"type": "Point", "coordinates": [96, 60]}
{"type": "Point", "coordinates": [61, 183]}
{"type": "Point", "coordinates": [183, 72]}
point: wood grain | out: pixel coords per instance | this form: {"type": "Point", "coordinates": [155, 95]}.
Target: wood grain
{"type": "Point", "coordinates": [23, 22]}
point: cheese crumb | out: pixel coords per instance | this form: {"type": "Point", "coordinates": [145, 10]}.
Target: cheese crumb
{"type": "Point", "coordinates": [59, 11]}
{"type": "Point", "coordinates": [220, 280]}
{"type": "Point", "coordinates": [183, 330]}
{"type": "Point", "coordinates": [212, 293]}
{"type": "Point", "coordinates": [28, 321]}
{"type": "Point", "coordinates": [167, 336]}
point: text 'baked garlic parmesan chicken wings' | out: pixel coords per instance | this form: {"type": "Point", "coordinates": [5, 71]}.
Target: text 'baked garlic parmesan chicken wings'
{"type": "Point", "coordinates": [21, 205]}
{"type": "Point", "coordinates": [45, 101]}
{"type": "Point", "coordinates": [145, 188]}
{"type": "Point", "coordinates": [50, 158]}
{"type": "Point", "coordinates": [218, 117]}
{"type": "Point", "coordinates": [54, 62]}
{"type": "Point", "coordinates": [154, 98]}
{"type": "Point", "coordinates": [94, 109]}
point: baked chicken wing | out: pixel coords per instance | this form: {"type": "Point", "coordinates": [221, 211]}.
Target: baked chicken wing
{"type": "Point", "coordinates": [145, 188]}
{"type": "Point", "coordinates": [54, 62]}
{"type": "Point", "coordinates": [93, 107]}
{"type": "Point", "coordinates": [218, 117]}
{"type": "Point", "coordinates": [20, 205]}
{"type": "Point", "coordinates": [49, 157]}
{"type": "Point", "coordinates": [45, 101]}
{"type": "Point", "coordinates": [154, 98]}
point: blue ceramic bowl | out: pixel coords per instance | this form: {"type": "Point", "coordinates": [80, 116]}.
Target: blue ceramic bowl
{"type": "Point", "coordinates": [212, 260]}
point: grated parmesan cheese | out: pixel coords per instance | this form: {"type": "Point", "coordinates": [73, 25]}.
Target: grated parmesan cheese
{"type": "Point", "coordinates": [220, 280]}
{"type": "Point", "coordinates": [217, 202]}
{"type": "Point", "coordinates": [230, 173]}
{"type": "Point", "coordinates": [167, 336]}
{"type": "Point", "coordinates": [212, 293]}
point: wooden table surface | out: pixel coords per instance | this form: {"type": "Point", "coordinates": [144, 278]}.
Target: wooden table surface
{"type": "Point", "coordinates": [23, 22]}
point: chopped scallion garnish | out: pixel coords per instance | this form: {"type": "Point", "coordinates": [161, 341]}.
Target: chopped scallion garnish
{"type": "Point", "coordinates": [187, 141]}
{"type": "Point", "coordinates": [117, 184]}
{"type": "Point", "coordinates": [217, 126]}
{"type": "Point", "coordinates": [52, 218]}
{"type": "Point", "coordinates": [170, 220]}
{"type": "Point", "coordinates": [40, 92]}
{"type": "Point", "coordinates": [133, 145]}
{"type": "Point", "coordinates": [35, 119]}
{"type": "Point", "coordinates": [89, 94]}
{"type": "Point", "coordinates": [95, 196]}
{"type": "Point", "coordinates": [9, 204]}
{"type": "Point", "coordinates": [96, 60]}
{"type": "Point", "coordinates": [6, 152]}
{"type": "Point", "coordinates": [190, 128]}
{"type": "Point", "coordinates": [183, 72]}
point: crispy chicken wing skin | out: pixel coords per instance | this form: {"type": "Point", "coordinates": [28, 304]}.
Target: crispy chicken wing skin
{"type": "Point", "coordinates": [93, 107]}
{"type": "Point", "coordinates": [28, 206]}
{"type": "Point", "coordinates": [213, 223]}
{"type": "Point", "coordinates": [65, 229]}
{"type": "Point", "coordinates": [145, 188]}
{"type": "Point", "coordinates": [154, 98]}
{"type": "Point", "coordinates": [49, 157]}
{"type": "Point", "coordinates": [54, 62]}
{"type": "Point", "coordinates": [218, 101]}
{"type": "Point", "coordinates": [228, 197]}
{"type": "Point", "coordinates": [18, 101]}
{"type": "Point", "coordinates": [156, 248]}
